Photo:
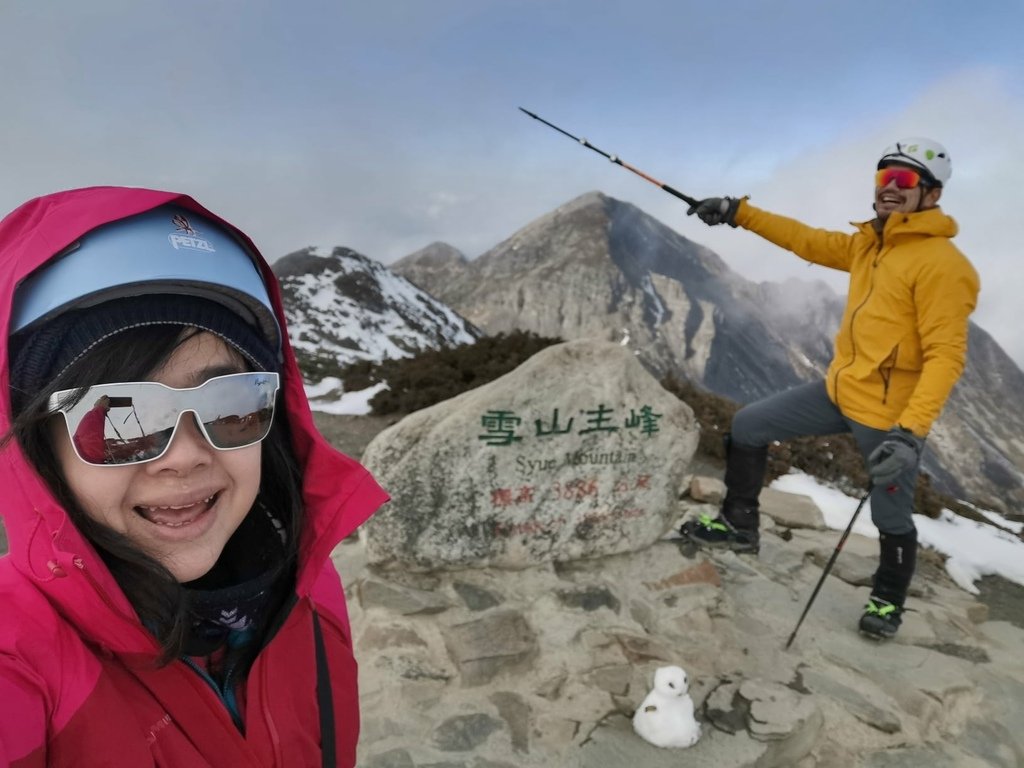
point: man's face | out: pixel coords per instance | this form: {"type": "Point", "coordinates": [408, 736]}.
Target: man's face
{"type": "Point", "coordinates": [891, 198]}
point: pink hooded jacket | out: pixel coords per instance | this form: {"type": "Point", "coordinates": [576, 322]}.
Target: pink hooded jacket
{"type": "Point", "coordinates": [78, 683]}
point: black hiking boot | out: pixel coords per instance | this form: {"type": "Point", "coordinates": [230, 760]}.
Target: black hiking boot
{"type": "Point", "coordinates": [737, 526]}
{"type": "Point", "coordinates": [881, 619]}
{"type": "Point", "coordinates": [897, 561]}
{"type": "Point", "coordinates": [719, 533]}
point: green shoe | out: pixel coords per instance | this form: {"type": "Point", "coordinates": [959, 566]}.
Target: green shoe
{"type": "Point", "coordinates": [719, 533]}
{"type": "Point", "coordinates": [881, 619]}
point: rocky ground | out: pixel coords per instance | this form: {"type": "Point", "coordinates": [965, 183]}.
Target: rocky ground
{"type": "Point", "coordinates": [492, 669]}
{"type": "Point", "coordinates": [483, 668]}
{"type": "Point", "coordinates": [351, 434]}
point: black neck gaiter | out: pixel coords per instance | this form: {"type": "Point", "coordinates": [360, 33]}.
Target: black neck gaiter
{"type": "Point", "coordinates": [244, 589]}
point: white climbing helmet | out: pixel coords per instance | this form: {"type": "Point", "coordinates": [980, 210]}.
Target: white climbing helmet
{"type": "Point", "coordinates": [924, 154]}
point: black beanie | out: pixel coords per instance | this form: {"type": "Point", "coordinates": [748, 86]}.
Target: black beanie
{"type": "Point", "coordinates": [38, 355]}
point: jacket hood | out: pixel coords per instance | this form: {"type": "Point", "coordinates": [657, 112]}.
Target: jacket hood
{"type": "Point", "coordinates": [44, 547]}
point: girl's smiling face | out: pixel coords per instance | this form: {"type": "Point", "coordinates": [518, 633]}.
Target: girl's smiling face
{"type": "Point", "coordinates": [184, 506]}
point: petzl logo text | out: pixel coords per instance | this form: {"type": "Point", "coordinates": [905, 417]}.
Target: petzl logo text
{"type": "Point", "coordinates": [186, 236]}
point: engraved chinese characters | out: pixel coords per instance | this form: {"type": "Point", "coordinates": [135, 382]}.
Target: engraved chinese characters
{"type": "Point", "coordinates": [579, 452]}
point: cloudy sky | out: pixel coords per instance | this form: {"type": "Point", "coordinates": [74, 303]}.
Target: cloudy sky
{"type": "Point", "coordinates": [386, 125]}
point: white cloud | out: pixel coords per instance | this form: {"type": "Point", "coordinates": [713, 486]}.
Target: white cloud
{"type": "Point", "coordinates": [384, 131]}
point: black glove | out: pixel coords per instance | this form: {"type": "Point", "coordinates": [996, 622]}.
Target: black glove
{"type": "Point", "coordinates": [900, 451]}
{"type": "Point", "coordinates": [716, 210]}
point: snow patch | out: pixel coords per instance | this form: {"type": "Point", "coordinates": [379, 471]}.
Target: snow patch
{"type": "Point", "coordinates": [350, 403]}
{"type": "Point", "coordinates": [973, 549]}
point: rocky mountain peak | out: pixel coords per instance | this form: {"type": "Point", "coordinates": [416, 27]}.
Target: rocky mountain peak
{"type": "Point", "coordinates": [436, 254]}
{"type": "Point", "coordinates": [314, 261]}
{"type": "Point", "coordinates": [437, 261]}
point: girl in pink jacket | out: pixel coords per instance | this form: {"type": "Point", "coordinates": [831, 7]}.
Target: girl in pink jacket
{"type": "Point", "coordinates": [169, 598]}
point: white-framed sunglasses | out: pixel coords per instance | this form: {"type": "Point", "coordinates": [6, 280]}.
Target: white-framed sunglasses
{"type": "Point", "coordinates": [134, 422]}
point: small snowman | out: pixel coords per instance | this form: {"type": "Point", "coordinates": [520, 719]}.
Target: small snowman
{"type": "Point", "coordinates": [665, 718]}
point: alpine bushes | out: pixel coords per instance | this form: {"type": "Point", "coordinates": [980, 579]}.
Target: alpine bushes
{"type": "Point", "coordinates": [418, 382]}
{"type": "Point", "coordinates": [430, 377]}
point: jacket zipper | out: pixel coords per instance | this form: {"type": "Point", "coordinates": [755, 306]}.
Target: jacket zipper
{"type": "Point", "coordinates": [226, 696]}
{"type": "Point", "coordinates": [853, 317]}
{"type": "Point", "coordinates": [275, 625]}
{"type": "Point", "coordinates": [275, 738]}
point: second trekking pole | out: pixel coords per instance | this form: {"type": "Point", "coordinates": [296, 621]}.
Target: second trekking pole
{"type": "Point", "coordinates": [828, 567]}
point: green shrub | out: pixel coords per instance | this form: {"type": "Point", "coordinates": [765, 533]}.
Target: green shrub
{"type": "Point", "coordinates": [317, 366]}
{"type": "Point", "coordinates": [714, 415]}
{"type": "Point", "coordinates": [435, 375]}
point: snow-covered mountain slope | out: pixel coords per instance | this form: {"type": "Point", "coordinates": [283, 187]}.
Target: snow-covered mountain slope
{"type": "Point", "coordinates": [344, 306]}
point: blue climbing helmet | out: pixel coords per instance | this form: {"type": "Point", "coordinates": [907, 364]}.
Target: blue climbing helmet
{"type": "Point", "coordinates": [167, 250]}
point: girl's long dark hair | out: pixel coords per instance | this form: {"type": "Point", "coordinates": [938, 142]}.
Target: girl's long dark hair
{"type": "Point", "coordinates": [158, 598]}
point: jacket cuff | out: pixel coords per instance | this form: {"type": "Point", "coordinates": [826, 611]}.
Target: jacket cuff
{"type": "Point", "coordinates": [913, 429]}
{"type": "Point", "coordinates": [744, 212]}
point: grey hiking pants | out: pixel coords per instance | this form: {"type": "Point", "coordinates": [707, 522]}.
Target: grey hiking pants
{"type": "Point", "coordinates": [807, 410]}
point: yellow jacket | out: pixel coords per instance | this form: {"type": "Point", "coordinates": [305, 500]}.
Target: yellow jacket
{"type": "Point", "coordinates": [903, 339]}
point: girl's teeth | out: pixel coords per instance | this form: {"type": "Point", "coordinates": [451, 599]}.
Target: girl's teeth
{"type": "Point", "coordinates": [182, 506]}
{"type": "Point", "coordinates": [153, 514]}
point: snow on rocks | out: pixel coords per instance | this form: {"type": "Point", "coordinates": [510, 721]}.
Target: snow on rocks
{"type": "Point", "coordinates": [665, 716]}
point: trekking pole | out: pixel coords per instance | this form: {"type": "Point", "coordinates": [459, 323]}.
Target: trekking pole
{"type": "Point", "coordinates": [828, 567]}
{"type": "Point", "coordinates": [114, 427]}
{"type": "Point", "coordinates": [617, 160]}
{"type": "Point", "coordinates": [136, 413]}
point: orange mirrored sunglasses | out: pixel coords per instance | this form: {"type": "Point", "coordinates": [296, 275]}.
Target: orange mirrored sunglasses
{"type": "Point", "coordinates": [904, 177]}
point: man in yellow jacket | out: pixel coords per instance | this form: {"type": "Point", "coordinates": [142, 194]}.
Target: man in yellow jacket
{"type": "Point", "coordinates": [899, 350]}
